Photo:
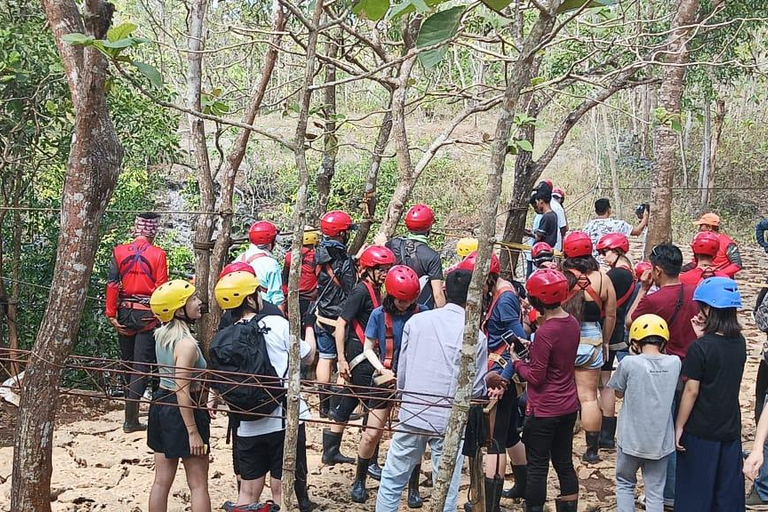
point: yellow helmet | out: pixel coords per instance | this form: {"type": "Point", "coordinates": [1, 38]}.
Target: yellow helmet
{"type": "Point", "coordinates": [466, 246]}
{"type": "Point", "coordinates": [232, 289]}
{"type": "Point", "coordinates": [311, 236]}
{"type": "Point", "coordinates": [170, 297]}
{"type": "Point", "coordinates": [648, 325]}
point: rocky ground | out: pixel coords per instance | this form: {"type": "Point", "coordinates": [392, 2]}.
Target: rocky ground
{"type": "Point", "coordinates": [97, 467]}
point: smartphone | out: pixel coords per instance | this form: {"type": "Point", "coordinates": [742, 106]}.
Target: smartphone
{"type": "Point", "coordinates": [514, 342]}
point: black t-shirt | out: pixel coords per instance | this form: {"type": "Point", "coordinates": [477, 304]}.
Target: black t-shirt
{"type": "Point", "coordinates": [267, 309]}
{"type": "Point", "coordinates": [623, 282]}
{"type": "Point", "coordinates": [357, 310]}
{"type": "Point", "coordinates": [424, 260]}
{"type": "Point", "coordinates": [718, 364]}
{"type": "Point", "coordinates": [548, 224]}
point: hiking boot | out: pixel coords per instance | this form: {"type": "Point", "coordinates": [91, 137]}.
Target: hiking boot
{"type": "Point", "coordinates": [374, 470]}
{"type": "Point", "coordinates": [590, 455]}
{"type": "Point", "coordinates": [331, 453]}
{"type": "Point", "coordinates": [518, 490]}
{"type": "Point", "coordinates": [302, 496]}
{"type": "Point", "coordinates": [608, 433]}
{"type": "Point", "coordinates": [132, 423]}
{"type": "Point", "coordinates": [359, 494]}
{"type": "Point", "coordinates": [414, 497]}
{"type": "Point", "coordinates": [755, 502]}
{"type": "Point", "coordinates": [566, 506]}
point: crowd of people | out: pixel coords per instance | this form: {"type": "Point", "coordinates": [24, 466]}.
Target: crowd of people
{"type": "Point", "coordinates": [587, 327]}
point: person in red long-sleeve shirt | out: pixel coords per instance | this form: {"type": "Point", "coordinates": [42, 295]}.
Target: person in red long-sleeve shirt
{"type": "Point", "coordinates": [728, 259]}
{"type": "Point", "coordinates": [136, 270]}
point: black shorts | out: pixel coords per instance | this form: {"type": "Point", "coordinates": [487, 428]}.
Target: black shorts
{"type": "Point", "coordinates": [166, 432]}
{"type": "Point", "coordinates": [344, 403]}
{"type": "Point", "coordinates": [608, 365]}
{"type": "Point", "coordinates": [258, 455]}
{"type": "Point", "coordinates": [505, 424]}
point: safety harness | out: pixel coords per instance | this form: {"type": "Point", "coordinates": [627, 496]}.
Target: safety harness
{"type": "Point", "coordinates": [127, 266]}
{"type": "Point", "coordinates": [495, 355]}
{"type": "Point", "coordinates": [358, 327]}
{"type": "Point", "coordinates": [624, 298]}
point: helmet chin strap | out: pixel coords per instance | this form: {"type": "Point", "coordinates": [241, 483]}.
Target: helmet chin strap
{"type": "Point", "coordinates": [184, 317]}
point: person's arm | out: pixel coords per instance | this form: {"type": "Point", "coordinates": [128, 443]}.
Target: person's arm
{"type": "Point", "coordinates": [535, 371]}
{"type": "Point", "coordinates": [285, 273]}
{"type": "Point", "coordinates": [340, 336]}
{"type": "Point", "coordinates": [637, 230]}
{"type": "Point", "coordinates": [618, 381]}
{"type": "Point", "coordinates": [185, 354]}
{"type": "Point", "coordinates": [690, 394]}
{"type": "Point", "coordinates": [636, 309]}
{"type": "Point", "coordinates": [274, 285]}
{"type": "Point", "coordinates": [435, 273]}
{"type": "Point", "coordinates": [755, 460]}
{"type": "Point", "coordinates": [734, 257]}
{"type": "Point", "coordinates": [481, 360]}
{"type": "Point", "coordinates": [609, 303]}
{"type": "Point", "coordinates": [760, 230]}
{"type": "Point", "coordinates": [402, 360]}
{"type": "Point", "coordinates": [161, 272]}
{"type": "Point", "coordinates": [437, 292]}
{"type": "Point", "coordinates": [113, 290]}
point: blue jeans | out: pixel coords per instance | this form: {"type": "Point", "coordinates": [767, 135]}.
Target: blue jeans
{"type": "Point", "coordinates": [405, 451]}
{"type": "Point", "coordinates": [671, 483]}
{"type": "Point", "coordinates": [654, 474]}
{"type": "Point", "coordinates": [326, 343]}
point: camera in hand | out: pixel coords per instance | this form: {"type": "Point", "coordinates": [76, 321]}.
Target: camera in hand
{"type": "Point", "coordinates": [641, 209]}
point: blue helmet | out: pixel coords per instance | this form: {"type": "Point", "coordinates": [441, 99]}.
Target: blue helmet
{"type": "Point", "coordinates": [718, 293]}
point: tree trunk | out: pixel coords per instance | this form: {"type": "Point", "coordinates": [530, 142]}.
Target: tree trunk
{"type": "Point", "coordinates": [706, 192]}
{"type": "Point", "coordinates": [92, 171]}
{"type": "Point", "coordinates": [611, 148]}
{"type": "Point", "coordinates": [705, 140]}
{"type": "Point", "coordinates": [665, 138]}
{"type": "Point", "coordinates": [299, 220]}
{"type": "Point", "coordinates": [330, 141]}
{"type": "Point", "coordinates": [521, 77]}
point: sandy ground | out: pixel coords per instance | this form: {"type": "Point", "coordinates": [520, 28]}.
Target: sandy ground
{"type": "Point", "coordinates": [97, 467]}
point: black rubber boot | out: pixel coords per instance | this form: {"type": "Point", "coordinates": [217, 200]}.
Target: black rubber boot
{"type": "Point", "coordinates": [331, 453]}
{"type": "Point", "coordinates": [302, 496]}
{"type": "Point", "coordinates": [591, 456]}
{"type": "Point", "coordinates": [414, 497]}
{"type": "Point", "coordinates": [566, 506]}
{"type": "Point", "coordinates": [493, 490]}
{"type": "Point", "coordinates": [518, 490]}
{"type": "Point", "coordinates": [608, 433]}
{"type": "Point", "coordinates": [359, 494]}
{"type": "Point", "coordinates": [325, 401]}
{"type": "Point", "coordinates": [132, 423]}
{"type": "Point", "coordinates": [534, 508]}
{"type": "Point", "coordinates": [374, 470]}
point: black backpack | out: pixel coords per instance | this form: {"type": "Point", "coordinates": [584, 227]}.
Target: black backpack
{"type": "Point", "coordinates": [240, 351]}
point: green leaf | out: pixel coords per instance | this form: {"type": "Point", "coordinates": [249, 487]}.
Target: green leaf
{"type": "Point", "coordinates": [119, 44]}
{"type": "Point", "coordinates": [537, 80]}
{"type": "Point", "coordinates": [372, 9]}
{"type": "Point", "coordinates": [524, 145]}
{"type": "Point", "coordinates": [409, 6]}
{"type": "Point", "coordinates": [152, 74]}
{"type": "Point", "coordinates": [79, 39]}
{"type": "Point", "coordinates": [436, 29]}
{"type": "Point", "coordinates": [572, 5]}
{"type": "Point", "coordinates": [497, 5]}
{"type": "Point", "coordinates": [121, 31]}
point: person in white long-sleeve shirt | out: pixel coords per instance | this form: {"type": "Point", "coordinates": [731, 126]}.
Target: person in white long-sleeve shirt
{"type": "Point", "coordinates": [262, 236]}
{"type": "Point", "coordinates": [429, 361]}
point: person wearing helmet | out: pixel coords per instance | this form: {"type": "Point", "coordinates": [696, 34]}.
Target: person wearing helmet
{"type": "Point", "coordinates": [178, 427]}
{"type": "Point", "coordinates": [413, 250]}
{"type": "Point", "coordinates": [728, 258]}
{"type": "Point", "coordinates": [336, 276]}
{"type": "Point", "coordinates": [262, 236]}
{"type": "Point", "coordinates": [708, 427]}
{"type": "Point", "coordinates": [553, 401]}
{"type": "Point", "coordinates": [308, 278]}
{"type": "Point", "coordinates": [647, 382]}
{"type": "Point", "coordinates": [267, 307]}
{"type": "Point", "coordinates": [613, 248]}
{"type": "Point", "coordinates": [135, 271]}
{"type": "Point", "coordinates": [604, 224]}
{"type": "Point", "coordinates": [558, 197]}
{"type": "Point", "coordinates": [258, 443]}
{"type": "Point", "coordinates": [705, 246]}
{"type": "Point", "coordinates": [383, 334]}
{"type": "Point", "coordinates": [354, 367]}
{"type": "Point", "coordinates": [760, 229]}
{"type": "Point", "coordinates": [543, 256]}
{"type": "Point", "coordinates": [592, 300]}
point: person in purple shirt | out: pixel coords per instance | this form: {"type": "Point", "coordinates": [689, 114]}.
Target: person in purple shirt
{"type": "Point", "coordinates": [552, 398]}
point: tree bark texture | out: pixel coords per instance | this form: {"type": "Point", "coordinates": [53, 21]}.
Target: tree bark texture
{"type": "Point", "coordinates": [706, 191]}
{"type": "Point", "coordinates": [705, 140]}
{"type": "Point", "coordinates": [299, 221]}
{"type": "Point", "coordinates": [665, 138]}
{"type": "Point", "coordinates": [330, 141]}
{"type": "Point", "coordinates": [520, 78]}
{"type": "Point", "coordinates": [611, 149]}
{"type": "Point", "coordinates": [92, 170]}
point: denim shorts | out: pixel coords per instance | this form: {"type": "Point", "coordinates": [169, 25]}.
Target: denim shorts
{"type": "Point", "coordinates": [326, 343]}
{"type": "Point", "coordinates": [586, 351]}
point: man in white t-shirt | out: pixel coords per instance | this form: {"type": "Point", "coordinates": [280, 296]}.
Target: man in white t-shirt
{"type": "Point", "coordinates": [604, 224]}
{"type": "Point", "coordinates": [558, 197]}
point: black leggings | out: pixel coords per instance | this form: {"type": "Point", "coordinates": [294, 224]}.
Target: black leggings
{"type": "Point", "coordinates": [549, 439]}
{"type": "Point", "coordinates": [139, 348]}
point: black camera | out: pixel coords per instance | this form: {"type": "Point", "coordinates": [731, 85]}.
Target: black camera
{"type": "Point", "coordinates": [641, 209]}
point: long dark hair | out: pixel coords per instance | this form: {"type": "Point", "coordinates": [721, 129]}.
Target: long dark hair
{"type": "Point", "coordinates": [243, 309]}
{"type": "Point", "coordinates": [723, 321]}
{"type": "Point", "coordinates": [491, 284]}
{"type": "Point", "coordinates": [576, 304]}
{"type": "Point", "coordinates": [584, 264]}
{"type": "Point", "coordinates": [388, 304]}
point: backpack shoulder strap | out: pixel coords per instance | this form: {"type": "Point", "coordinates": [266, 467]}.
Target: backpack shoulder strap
{"type": "Point", "coordinates": [624, 298]}
{"type": "Point", "coordinates": [678, 307]}
{"type": "Point", "coordinates": [254, 257]}
{"type": "Point", "coordinates": [496, 295]}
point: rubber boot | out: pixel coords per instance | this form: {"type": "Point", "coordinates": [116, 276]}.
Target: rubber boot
{"type": "Point", "coordinates": [374, 470]}
{"type": "Point", "coordinates": [518, 490]}
{"type": "Point", "coordinates": [132, 423]}
{"type": "Point", "coordinates": [493, 490]}
{"type": "Point", "coordinates": [608, 433]}
{"type": "Point", "coordinates": [359, 494]}
{"type": "Point", "coordinates": [590, 455]}
{"type": "Point", "coordinates": [331, 453]}
{"type": "Point", "coordinates": [414, 497]}
{"type": "Point", "coordinates": [325, 401]}
{"type": "Point", "coordinates": [566, 506]}
{"type": "Point", "coordinates": [534, 508]}
{"type": "Point", "coordinates": [302, 496]}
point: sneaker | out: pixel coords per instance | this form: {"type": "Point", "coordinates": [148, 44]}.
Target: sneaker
{"type": "Point", "coordinates": [668, 505]}
{"type": "Point", "coordinates": [755, 502]}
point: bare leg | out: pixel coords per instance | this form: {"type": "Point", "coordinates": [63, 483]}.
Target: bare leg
{"type": "Point", "coordinates": [586, 385]}
{"type": "Point", "coordinates": [197, 479]}
{"type": "Point", "coordinates": [517, 454]}
{"type": "Point", "coordinates": [250, 491]}
{"type": "Point", "coordinates": [377, 419]}
{"type": "Point", "coordinates": [607, 396]}
{"type": "Point", "coordinates": [165, 472]}
{"type": "Point", "coordinates": [277, 491]}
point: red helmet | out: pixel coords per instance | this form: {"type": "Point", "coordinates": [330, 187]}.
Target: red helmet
{"type": "Point", "coordinates": [557, 191]}
{"type": "Point", "coordinates": [237, 266]}
{"type": "Point", "coordinates": [262, 232]}
{"type": "Point", "coordinates": [376, 255]}
{"type": "Point", "coordinates": [468, 263]}
{"type": "Point", "coordinates": [419, 218]}
{"type": "Point", "coordinates": [613, 241]}
{"type": "Point", "coordinates": [549, 182]}
{"type": "Point", "coordinates": [402, 283]}
{"type": "Point", "coordinates": [641, 267]}
{"type": "Point", "coordinates": [706, 243]}
{"type": "Point", "coordinates": [549, 286]}
{"type": "Point", "coordinates": [540, 249]}
{"type": "Point", "coordinates": [576, 244]}
{"type": "Point", "coordinates": [335, 222]}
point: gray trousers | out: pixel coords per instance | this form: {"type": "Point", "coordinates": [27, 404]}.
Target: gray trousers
{"type": "Point", "coordinates": [654, 477]}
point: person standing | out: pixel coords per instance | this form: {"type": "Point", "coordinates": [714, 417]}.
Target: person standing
{"type": "Point", "coordinates": [429, 360]}
{"type": "Point", "coordinates": [262, 236]}
{"type": "Point", "coordinates": [728, 258]}
{"type": "Point", "coordinates": [413, 250]}
{"type": "Point", "coordinates": [308, 278]}
{"type": "Point", "coordinates": [708, 429]}
{"type": "Point", "coordinates": [758, 498]}
{"type": "Point", "coordinates": [136, 270]}
{"type": "Point", "coordinates": [705, 246]}
{"type": "Point", "coordinates": [647, 382]}
{"type": "Point", "coordinates": [549, 230]}
{"type": "Point", "coordinates": [553, 401]}
{"type": "Point", "coordinates": [604, 224]}
{"type": "Point", "coordinates": [760, 230]}
{"type": "Point", "coordinates": [557, 204]}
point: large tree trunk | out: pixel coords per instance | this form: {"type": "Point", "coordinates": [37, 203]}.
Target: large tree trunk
{"type": "Point", "coordinates": [330, 141]}
{"type": "Point", "coordinates": [92, 171]}
{"type": "Point", "coordinates": [714, 142]}
{"type": "Point", "coordinates": [665, 138]}
{"type": "Point", "coordinates": [612, 148]}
